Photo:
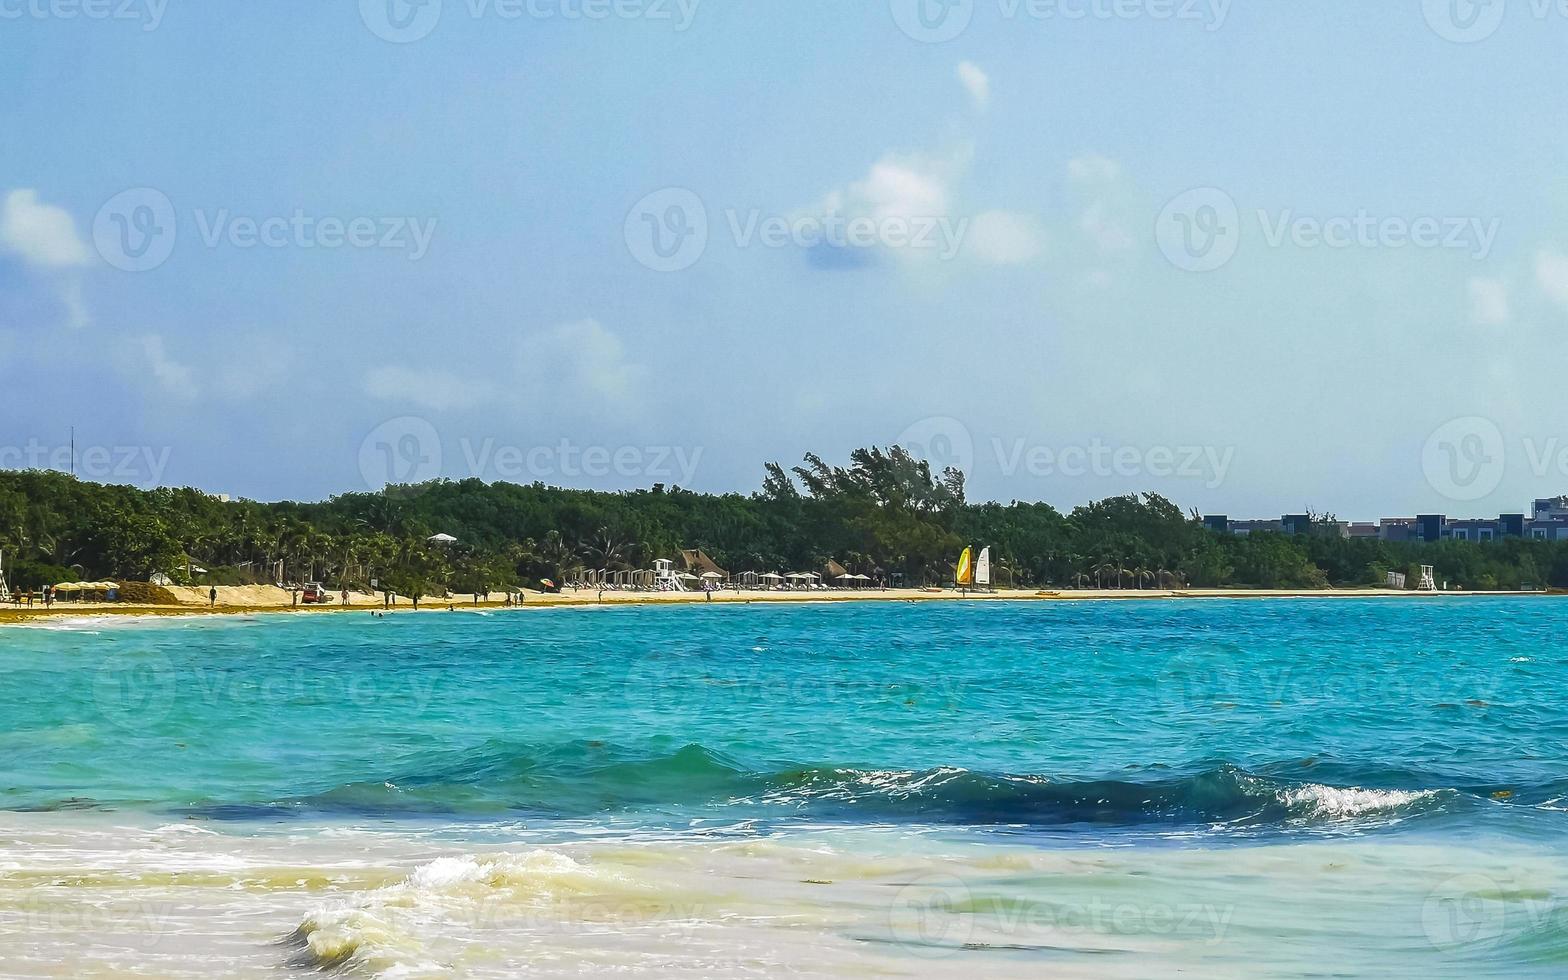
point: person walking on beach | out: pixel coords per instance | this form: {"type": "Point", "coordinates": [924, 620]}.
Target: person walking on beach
{"type": "Point", "coordinates": [212, 597]}
{"type": "Point", "coordinates": [345, 595]}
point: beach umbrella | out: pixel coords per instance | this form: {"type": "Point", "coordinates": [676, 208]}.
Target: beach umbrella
{"type": "Point", "coordinates": [441, 539]}
{"type": "Point", "coordinates": [547, 583]}
{"type": "Point", "coordinates": [711, 575]}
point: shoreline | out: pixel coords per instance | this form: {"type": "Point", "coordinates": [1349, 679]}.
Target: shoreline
{"type": "Point", "coordinates": [589, 599]}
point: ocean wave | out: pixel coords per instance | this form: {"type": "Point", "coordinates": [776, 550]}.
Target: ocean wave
{"type": "Point", "coordinates": [1336, 803]}
{"type": "Point", "coordinates": [393, 931]}
{"type": "Point", "coordinates": [588, 779]}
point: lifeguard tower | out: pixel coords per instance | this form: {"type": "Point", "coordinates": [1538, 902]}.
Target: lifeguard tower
{"type": "Point", "coordinates": [665, 578]}
{"type": "Point", "coordinates": [1428, 584]}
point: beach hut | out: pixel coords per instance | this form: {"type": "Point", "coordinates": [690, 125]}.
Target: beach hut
{"type": "Point", "coordinates": [772, 578]}
{"type": "Point", "coordinates": [697, 562]}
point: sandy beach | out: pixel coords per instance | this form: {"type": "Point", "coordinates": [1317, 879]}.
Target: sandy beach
{"type": "Point", "coordinates": [193, 600]}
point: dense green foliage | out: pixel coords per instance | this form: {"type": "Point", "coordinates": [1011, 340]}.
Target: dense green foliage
{"type": "Point", "coordinates": [885, 514]}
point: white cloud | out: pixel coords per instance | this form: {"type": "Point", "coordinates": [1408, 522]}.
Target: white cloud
{"type": "Point", "coordinates": [42, 234]}
{"type": "Point", "coordinates": [896, 186]}
{"type": "Point", "coordinates": [1489, 302]}
{"type": "Point", "coordinates": [173, 377]}
{"type": "Point", "coordinates": [248, 365]}
{"type": "Point", "coordinates": [583, 360]}
{"type": "Point", "coordinates": [976, 82]}
{"type": "Point", "coordinates": [1003, 238]}
{"type": "Point", "coordinates": [434, 390]}
{"type": "Point", "coordinates": [1092, 168]}
{"type": "Point", "coordinates": [75, 307]}
{"type": "Point", "coordinates": [1103, 230]}
{"type": "Point", "coordinates": [1551, 275]}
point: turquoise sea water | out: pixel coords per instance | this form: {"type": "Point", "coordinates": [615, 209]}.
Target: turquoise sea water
{"type": "Point", "coordinates": [1224, 787]}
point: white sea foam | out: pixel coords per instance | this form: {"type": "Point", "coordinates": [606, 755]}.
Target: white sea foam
{"type": "Point", "coordinates": [1335, 803]}
{"type": "Point", "coordinates": [384, 933]}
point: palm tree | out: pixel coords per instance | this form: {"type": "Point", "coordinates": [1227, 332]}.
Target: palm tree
{"type": "Point", "coordinates": [608, 551]}
{"type": "Point", "coordinates": [1101, 570]}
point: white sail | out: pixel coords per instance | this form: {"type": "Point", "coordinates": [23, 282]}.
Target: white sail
{"type": "Point", "coordinates": [983, 567]}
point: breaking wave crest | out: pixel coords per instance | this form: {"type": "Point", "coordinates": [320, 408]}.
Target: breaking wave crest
{"type": "Point", "coordinates": [588, 779]}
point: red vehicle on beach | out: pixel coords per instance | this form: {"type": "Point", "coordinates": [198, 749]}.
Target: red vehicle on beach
{"type": "Point", "coordinates": [315, 593]}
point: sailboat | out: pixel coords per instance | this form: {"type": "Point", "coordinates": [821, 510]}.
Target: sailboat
{"type": "Point", "coordinates": [965, 576]}
{"type": "Point", "coordinates": [983, 569]}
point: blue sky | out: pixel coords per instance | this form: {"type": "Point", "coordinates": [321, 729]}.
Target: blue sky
{"type": "Point", "coordinates": [1257, 257]}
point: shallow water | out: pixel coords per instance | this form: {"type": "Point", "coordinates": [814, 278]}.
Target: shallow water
{"type": "Point", "coordinates": [1231, 788]}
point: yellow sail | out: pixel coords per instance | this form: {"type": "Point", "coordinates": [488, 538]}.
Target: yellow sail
{"type": "Point", "coordinates": [966, 567]}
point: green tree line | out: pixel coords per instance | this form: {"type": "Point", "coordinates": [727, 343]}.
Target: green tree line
{"type": "Point", "coordinates": [884, 514]}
